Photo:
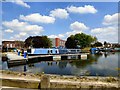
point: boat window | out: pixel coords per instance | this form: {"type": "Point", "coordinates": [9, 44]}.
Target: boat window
{"type": "Point", "coordinates": [51, 51]}
{"type": "Point", "coordinates": [48, 51]}
{"type": "Point", "coordinates": [56, 51]}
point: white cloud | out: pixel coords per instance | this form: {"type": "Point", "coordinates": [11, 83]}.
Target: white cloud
{"type": "Point", "coordinates": [82, 10]}
{"type": "Point", "coordinates": [65, 35]}
{"type": "Point", "coordinates": [20, 35]}
{"type": "Point", "coordinates": [78, 26]}
{"type": "Point", "coordinates": [105, 30]}
{"type": "Point", "coordinates": [37, 18]}
{"type": "Point", "coordinates": [109, 33]}
{"type": "Point", "coordinates": [57, 36]}
{"type": "Point", "coordinates": [21, 2]}
{"type": "Point", "coordinates": [52, 36]}
{"type": "Point", "coordinates": [22, 29]}
{"type": "Point", "coordinates": [59, 13]}
{"type": "Point", "coordinates": [0, 37]}
{"type": "Point", "coordinates": [61, 35]}
{"type": "Point", "coordinates": [9, 31]}
{"type": "Point", "coordinates": [21, 26]}
{"type": "Point", "coordinates": [3, 39]}
{"type": "Point", "coordinates": [72, 33]}
{"type": "Point", "coordinates": [23, 34]}
{"type": "Point", "coordinates": [111, 19]}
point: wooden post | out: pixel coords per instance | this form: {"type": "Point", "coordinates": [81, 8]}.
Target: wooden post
{"type": "Point", "coordinates": [83, 56]}
{"type": "Point", "coordinates": [79, 56]}
{"type": "Point", "coordinates": [45, 81]}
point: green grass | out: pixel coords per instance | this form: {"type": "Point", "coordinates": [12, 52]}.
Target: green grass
{"type": "Point", "coordinates": [86, 49]}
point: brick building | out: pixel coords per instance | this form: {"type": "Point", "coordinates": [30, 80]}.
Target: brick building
{"type": "Point", "coordinates": [57, 42]}
{"type": "Point", "coordinates": [13, 44]}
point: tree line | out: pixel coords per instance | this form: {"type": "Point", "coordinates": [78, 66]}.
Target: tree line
{"type": "Point", "coordinates": [38, 42]}
{"type": "Point", "coordinates": [79, 40]}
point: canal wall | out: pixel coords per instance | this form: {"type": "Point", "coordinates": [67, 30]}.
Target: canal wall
{"type": "Point", "coordinates": [37, 81]}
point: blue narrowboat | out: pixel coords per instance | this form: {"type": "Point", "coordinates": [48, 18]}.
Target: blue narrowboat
{"type": "Point", "coordinates": [42, 51]}
{"type": "Point", "coordinates": [47, 51]}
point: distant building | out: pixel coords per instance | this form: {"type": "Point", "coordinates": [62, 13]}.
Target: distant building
{"type": "Point", "coordinates": [57, 42]}
{"type": "Point", "coordinates": [13, 44]}
{"type": "Point", "coordinates": [112, 45]}
{"type": "Point", "coordinates": [115, 45]}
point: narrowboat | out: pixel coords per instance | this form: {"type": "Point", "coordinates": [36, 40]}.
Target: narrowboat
{"type": "Point", "coordinates": [47, 51]}
{"type": "Point", "coordinates": [42, 51]}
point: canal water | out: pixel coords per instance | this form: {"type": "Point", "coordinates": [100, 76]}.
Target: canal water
{"type": "Point", "coordinates": [105, 64]}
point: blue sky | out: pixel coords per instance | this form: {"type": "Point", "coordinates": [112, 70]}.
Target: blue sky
{"type": "Point", "coordinates": [55, 19]}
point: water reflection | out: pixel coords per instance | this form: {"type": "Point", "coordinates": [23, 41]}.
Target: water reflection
{"type": "Point", "coordinates": [73, 57]}
{"type": "Point", "coordinates": [108, 54]}
{"type": "Point", "coordinates": [49, 63]}
{"type": "Point", "coordinates": [102, 64]}
{"type": "Point", "coordinates": [4, 65]}
{"type": "Point", "coordinates": [25, 68]}
{"type": "Point", "coordinates": [62, 65]}
{"type": "Point", "coordinates": [31, 65]}
{"type": "Point", "coordinates": [105, 54]}
{"type": "Point", "coordinates": [84, 63]}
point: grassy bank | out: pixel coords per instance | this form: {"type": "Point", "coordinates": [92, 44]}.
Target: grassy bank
{"type": "Point", "coordinates": [87, 49]}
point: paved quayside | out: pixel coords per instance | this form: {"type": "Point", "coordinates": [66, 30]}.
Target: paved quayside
{"type": "Point", "coordinates": [14, 59]}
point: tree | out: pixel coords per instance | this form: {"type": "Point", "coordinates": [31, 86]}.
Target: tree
{"type": "Point", "coordinates": [105, 44]}
{"type": "Point", "coordinates": [70, 43]}
{"type": "Point", "coordinates": [38, 42]}
{"type": "Point", "coordinates": [97, 44]}
{"type": "Point", "coordinates": [28, 41]}
{"type": "Point", "coordinates": [82, 39]}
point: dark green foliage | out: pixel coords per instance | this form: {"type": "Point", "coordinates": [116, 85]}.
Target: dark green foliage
{"type": "Point", "coordinates": [80, 39]}
{"type": "Point", "coordinates": [38, 42]}
{"type": "Point", "coordinates": [70, 43]}
{"type": "Point", "coordinates": [28, 42]}
{"type": "Point", "coordinates": [105, 42]}
{"type": "Point", "coordinates": [97, 44]}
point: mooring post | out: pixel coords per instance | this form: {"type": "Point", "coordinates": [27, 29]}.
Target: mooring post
{"type": "Point", "coordinates": [79, 56]}
{"type": "Point", "coordinates": [25, 54]}
{"type": "Point", "coordinates": [45, 82]}
{"type": "Point", "coordinates": [18, 52]}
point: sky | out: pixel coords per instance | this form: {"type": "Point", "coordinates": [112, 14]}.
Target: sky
{"type": "Point", "coordinates": [59, 19]}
